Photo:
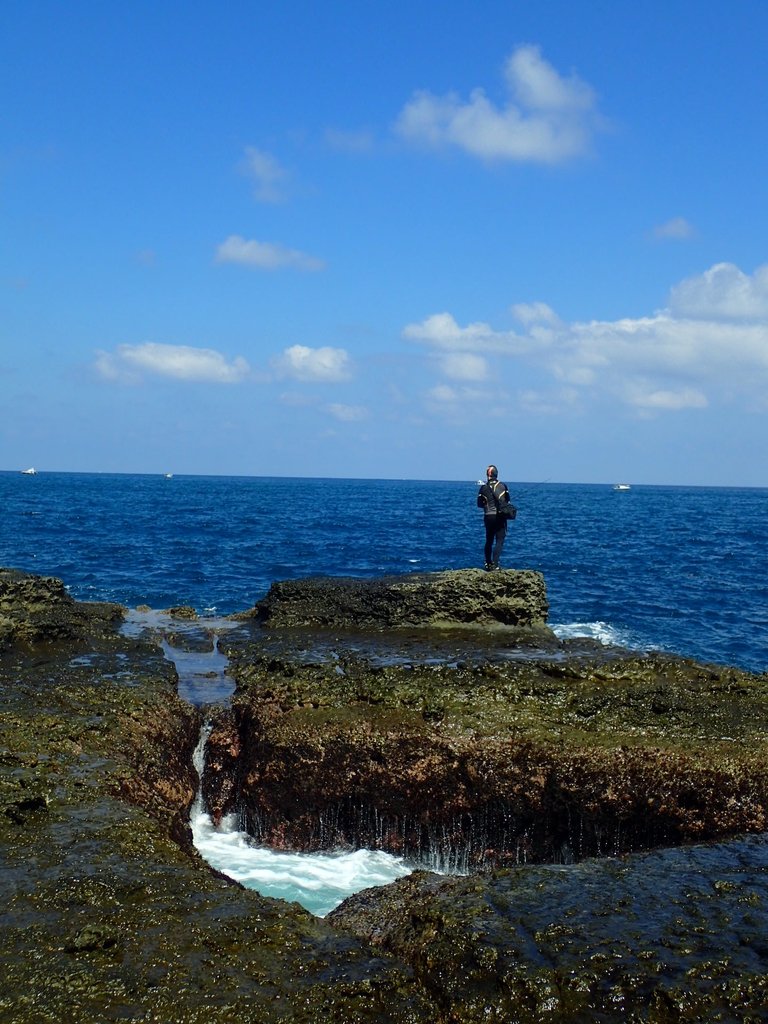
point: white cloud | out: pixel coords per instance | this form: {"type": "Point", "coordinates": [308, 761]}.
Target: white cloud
{"type": "Point", "coordinates": [314, 364]}
{"type": "Point", "coordinates": [296, 399]}
{"type": "Point", "coordinates": [684, 398]}
{"type": "Point", "coordinates": [711, 342]}
{"type": "Point", "coordinates": [266, 173]}
{"type": "Point", "coordinates": [464, 366]}
{"type": "Point", "coordinates": [181, 362]}
{"type": "Point", "coordinates": [547, 403]}
{"type": "Point", "coordinates": [443, 393]}
{"type": "Point", "coordinates": [264, 255]}
{"type": "Point", "coordinates": [534, 313]}
{"type": "Point", "coordinates": [442, 332]}
{"type": "Point", "coordinates": [723, 292]}
{"type": "Point", "coordinates": [347, 413]}
{"type": "Point", "coordinates": [547, 118]}
{"type": "Point", "coordinates": [463, 404]}
{"type": "Point", "coordinates": [469, 398]}
{"type": "Point", "coordinates": [677, 228]}
{"type": "Point", "coordinates": [663, 361]}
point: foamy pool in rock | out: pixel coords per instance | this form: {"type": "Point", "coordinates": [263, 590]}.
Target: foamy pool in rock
{"type": "Point", "coordinates": [318, 881]}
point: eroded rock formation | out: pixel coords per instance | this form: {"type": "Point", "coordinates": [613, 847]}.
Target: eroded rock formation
{"type": "Point", "coordinates": [673, 935]}
{"type": "Point", "coordinates": [38, 610]}
{"type": "Point", "coordinates": [108, 913]}
{"type": "Point", "coordinates": [490, 763]}
{"type": "Point", "coordinates": [476, 741]}
{"type": "Point", "coordinates": [466, 597]}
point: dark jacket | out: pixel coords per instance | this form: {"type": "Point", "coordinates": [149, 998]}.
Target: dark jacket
{"type": "Point", "coordinates": [491, 495]}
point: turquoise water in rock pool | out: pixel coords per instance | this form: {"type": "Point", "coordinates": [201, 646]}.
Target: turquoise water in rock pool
{"type": "Point", "coordinates": [680, 569]}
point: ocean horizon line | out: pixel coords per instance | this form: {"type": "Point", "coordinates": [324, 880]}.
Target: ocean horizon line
{"type": "Point", "coordinates": [376, 479]}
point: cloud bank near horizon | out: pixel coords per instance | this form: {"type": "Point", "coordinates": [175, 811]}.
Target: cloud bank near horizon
{"type": "Point", "coordinates": [709, 343]}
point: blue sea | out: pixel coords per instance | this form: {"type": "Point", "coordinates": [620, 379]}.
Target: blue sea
{"type": "Point", "coordinates": [680, 569]}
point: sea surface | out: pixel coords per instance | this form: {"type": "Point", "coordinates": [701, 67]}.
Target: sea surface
{"type": "Point", "coordinates": [682, 569]}
{"type": "Point", "coordinates": [679, 569]}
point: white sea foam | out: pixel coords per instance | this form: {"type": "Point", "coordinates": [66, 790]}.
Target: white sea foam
{"type": "Point", "coordinates": [319, 882]}
{"type": "Point", "coordinates": [604, 632]}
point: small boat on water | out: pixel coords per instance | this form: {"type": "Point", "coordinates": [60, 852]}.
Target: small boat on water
{"type": "Point", "coordinates": [622, 487]}
{"type": "Point", "coordinates": [29, 472]}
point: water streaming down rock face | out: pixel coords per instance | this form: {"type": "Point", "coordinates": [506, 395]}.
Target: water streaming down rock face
{"type": "Point", "coordinates": [319, 882]}
{"type": "Point", "coordinates": [484, 759]}
{"type": "Point", "coordinates": [488, 837]}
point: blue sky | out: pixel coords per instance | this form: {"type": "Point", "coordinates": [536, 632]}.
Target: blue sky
{"type": "Point", "coordinates": [386, 240]}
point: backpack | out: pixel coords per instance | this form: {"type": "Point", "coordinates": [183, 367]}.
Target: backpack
{"type": "Point", "coordinates": [504, 506]}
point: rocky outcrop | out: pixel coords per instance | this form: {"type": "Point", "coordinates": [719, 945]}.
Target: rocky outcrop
{"type": "Point", "coordinates": [108, 913]}
{"type": "Point", "coordinates": [37, 609]}
{"type": "Point", "coordinates": [461, 741]}
{"type": "Point", "coordinates": [670, 936]}
{"type": "Point", "coordinates": [488, 763]}
{"type": "Point", "coordinates": [467, 597]}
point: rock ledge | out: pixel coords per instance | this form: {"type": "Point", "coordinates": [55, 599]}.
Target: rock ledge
{"type": "Point", "coordinates": [462, 597]}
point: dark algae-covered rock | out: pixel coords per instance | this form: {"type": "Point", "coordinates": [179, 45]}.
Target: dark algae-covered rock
{"type": "Point", "coordinates": [461, 737]}
{"type": "Point", "coordinates": [108, 913]}
{"type": "Point", "coordinates": [38, 609]}
{"type": "Point", "coordinates": [465, 597]}
{"type": "Point", "coordinates": [495, 762]}
{"type": "Point", "coordinates": [674, 935]}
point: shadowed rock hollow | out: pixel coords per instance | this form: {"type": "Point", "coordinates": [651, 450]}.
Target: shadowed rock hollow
{"type": "Point", "coordinates": [108, 914]}
{"type": "Point", "coordinates": [486, 763]}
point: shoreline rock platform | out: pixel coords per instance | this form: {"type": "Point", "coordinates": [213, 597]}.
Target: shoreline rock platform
{"type": "Point", "coordinates": [452, 599]}
{"type": "Point", "coordinates": [464, 729]}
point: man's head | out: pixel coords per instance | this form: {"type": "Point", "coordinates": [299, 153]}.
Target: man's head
{"type": "Point", "coordinates": [492, 473]}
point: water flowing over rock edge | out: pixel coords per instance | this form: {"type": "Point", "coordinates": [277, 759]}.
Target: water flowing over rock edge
{"type": "Point", "coordinates": [98, 756]}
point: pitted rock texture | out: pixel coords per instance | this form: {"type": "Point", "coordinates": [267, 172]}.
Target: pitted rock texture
{"type": "Point", "coordinates": [464, 597]}
{"type": "Point", "coordinates": [492, 763]}
{"type": "Point", "coordinates": [38, 609]}
{"type": "Point", "coordinates": [105, 917]}
{"type": "Point", "coordinates": [108, 914]}
{"type": "Point", "coordinates": [670, 936]}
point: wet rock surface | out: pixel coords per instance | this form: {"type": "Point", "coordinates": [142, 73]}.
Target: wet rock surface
{"type": "Point", "coordinates": [38, 609]}
{"type": "Point", "coordinates": [674, 935]}
{"type": "Point", "coordinates": [486, 742]}
{"type": "Point", "coordinates": [108, 913]}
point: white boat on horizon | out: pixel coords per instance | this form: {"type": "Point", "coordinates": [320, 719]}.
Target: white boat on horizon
{"type": "Point", "coordinates": [29, 472]}
{"type": "Point", "coordinates": [622, 487]}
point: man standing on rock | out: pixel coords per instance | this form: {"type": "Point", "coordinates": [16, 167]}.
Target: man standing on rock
{"type": "Point", "coordinates": [493, 498]}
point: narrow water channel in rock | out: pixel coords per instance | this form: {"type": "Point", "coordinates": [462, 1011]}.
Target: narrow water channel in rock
{"type": "Point", "coordinates": [318, 881]}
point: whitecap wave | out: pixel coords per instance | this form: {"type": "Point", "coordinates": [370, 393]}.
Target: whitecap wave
{"type": "Point", "coordinates": [604, 632]}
